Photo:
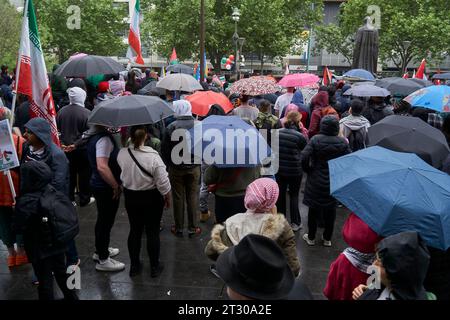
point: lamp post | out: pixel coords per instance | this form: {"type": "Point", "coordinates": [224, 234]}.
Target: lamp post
{"type": "Point", "coordinates": [406, 45]}
{"type": "Point", "coordinates": [202, 41]}
{"type": "Point", "coordinates": [236, 15]}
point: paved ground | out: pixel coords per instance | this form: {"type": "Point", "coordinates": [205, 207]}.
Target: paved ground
{"type": "Point", "coordinates": [186, 275]}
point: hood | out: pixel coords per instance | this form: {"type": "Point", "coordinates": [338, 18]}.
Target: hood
{"type": "Point", "coordinates": [329, 126]}
{"type": "Point", "coordinates": [321, 100]}
{"type": "Point", "coordinates": [405, 258]}
{"type": "Point", "coordinates": [77, 96]}
{"type": "Point", "coordinates": [182, 108]}
{"type": "Point", "coordinates": [355, 123]}
{"type": "Point", "coordinates": [41, 129]}
{"type": "Point", "coordinates": [117, 87]}
{"type": "Point", "coordinates": [266, 224]}
{"type": "Point", "coordinates": [34, 176]}
{"type": "Point", "coordinates": [358, 235]}
{"type": "Point", "coordinates": [298, 99]}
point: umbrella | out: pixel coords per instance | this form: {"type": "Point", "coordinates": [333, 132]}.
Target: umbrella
{"type": "Point", "coordinates": [228, 141]}
{"type": "Point", "coordinates": [434, 98]}
{"type": "Point", "coordinates": [367, 91]}
{"type": "Point", "coordinates": [151, 90]}
{"type": "Point", "coordinates": [202, 101]}
{"type": "Point", "coordinates": [359, 74]}
{"type": "Point", "coordinates": [410, 134]}
{"type": "Point", "coordinates": [129, 111]}
{"type": "Point", "coordinates": [84, 66]}
{"type": "Point", "coordinates": [254, 86]}
{"type": "Point", "coordinates": [179, 82]}
{"type": "Point", "coordinates": [299, 80]}
{"type": "Point", "coordinates": [394, 192]}
{"type": "Point", "coordinates": [442, 76]}
{"type": "Point", "coordinates": [180, 68]}
{"type": "Point", "coordinates": [363, 83]}
{"type": "Point", "coordinates": [423, 82]}
{"type": "Point", "coordinates": [399, 86]}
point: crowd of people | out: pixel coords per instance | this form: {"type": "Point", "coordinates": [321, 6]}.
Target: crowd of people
{"type": "Point", "coordinates": [255, 226]}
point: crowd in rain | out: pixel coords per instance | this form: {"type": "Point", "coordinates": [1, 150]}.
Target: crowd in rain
{"type": "Point", "coordinates": [256, 212]}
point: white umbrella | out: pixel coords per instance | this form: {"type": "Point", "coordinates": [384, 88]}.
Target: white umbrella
{"type": "Point", "coordinates": [367, 91]}
{"type": "Point", "coordinates": [179, 82]}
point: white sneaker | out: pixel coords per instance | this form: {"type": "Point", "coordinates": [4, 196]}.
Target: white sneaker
{"type": "Point", "coordinates": [74, 203]}
{"type": "Point", "coordinates": [109, 265]}
{"type": "Point", "coordinates": [326, 243]}
{"type": "Point", "coordinates": [295, 227]}
{"type": "Point", "coordinates": [112, 253]}
{"type": "Point", "coordinates": [309, 242]}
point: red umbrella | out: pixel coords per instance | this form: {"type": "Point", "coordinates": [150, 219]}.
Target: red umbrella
{"type": "Point", "coordinates": [202, 101]}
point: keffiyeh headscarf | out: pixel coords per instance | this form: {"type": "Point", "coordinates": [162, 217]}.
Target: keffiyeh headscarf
{"type": "Point", "coordinates": [261, 195]}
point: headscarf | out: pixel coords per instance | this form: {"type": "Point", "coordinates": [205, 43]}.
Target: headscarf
{"type": "Point", "coordinates": [77, 96]}
{"type": "Point", "coordinates": [182, 108]}
{"type": "Point", "coordinates": [289, 108]}
{"type": "Point", "coordinates": [117, 87]}
{"type": "Point", "coordinates": [261, 195]}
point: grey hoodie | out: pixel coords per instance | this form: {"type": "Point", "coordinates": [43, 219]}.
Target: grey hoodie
{"type": "Point", "coordinates": [353, 123]}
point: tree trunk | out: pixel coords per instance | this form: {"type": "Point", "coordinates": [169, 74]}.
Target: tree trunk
{"type": "Point", "coordinates": [262, 63]}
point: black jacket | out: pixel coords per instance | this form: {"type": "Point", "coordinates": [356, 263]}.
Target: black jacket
{"type": "Point", "coordinates": [72, 122]}
{"type": "Point", "coordinates": [292, 142]}
{"type": "Point", "coordinates": [321, 148]}
{"type": "Point", "coordinates": [35, 178]}
{"type": "Point", "coordinates": [376, 112]}
{"type": "Point", "coordinates": [183, 122]}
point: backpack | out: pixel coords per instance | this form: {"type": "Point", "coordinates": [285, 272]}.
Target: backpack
{"type": "Point", "coordinates": [59, 219]}
{"type": "Point", "coordinates": [329, 111]}
{"type": "Point", "coordinates": [357, 139]}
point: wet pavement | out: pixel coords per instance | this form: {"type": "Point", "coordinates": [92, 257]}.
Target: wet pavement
{"type": "Point", "coordinates": [186, 275]}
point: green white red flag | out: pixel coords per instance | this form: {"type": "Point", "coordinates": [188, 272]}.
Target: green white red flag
{"type": "Point", "coordinates": [134, 52]}
{"type": "Point", "coordinates": [32, 79]}
{"type": "Point", "coordinates": [173, 57]}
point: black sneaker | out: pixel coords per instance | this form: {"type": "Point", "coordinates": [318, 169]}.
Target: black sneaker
{"type": "Point", "coordinates": [135, 269]}
{"type": "Point", "coordinates": [155, 272]}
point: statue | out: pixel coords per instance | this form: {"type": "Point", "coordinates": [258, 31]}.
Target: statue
{"type": "Point", "coordinates": [365, 54]}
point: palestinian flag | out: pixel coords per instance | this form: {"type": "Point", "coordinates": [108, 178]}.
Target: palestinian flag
{"type": "Point", "coordinates": [134, 52]}
{"type": "Point", "coordinates": [173, 57]}
{"type": "Point", "coordinates": [32, 79]}
{"type": "Point", "coordinates": [327, 77]}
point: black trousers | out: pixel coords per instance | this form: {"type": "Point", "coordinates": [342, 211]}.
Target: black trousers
{"type": "Point", "coordinates": [329, 217]}
{"type": "Point", "coordinates": [106, 215]}
{"type": "Point", "coordinates": [45, 269]}
{"type": "Point", "coordinates": [226, 207]}
{"type": "Point", "coordinates": [293, 183]}
{"type": "Point", "coordinates": [145, 209]}
{"type": "Point", "coordinates": [80, 173]}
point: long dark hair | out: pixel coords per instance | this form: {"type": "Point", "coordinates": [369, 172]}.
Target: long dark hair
{"type": "Point", "coordinates": [138, 134]}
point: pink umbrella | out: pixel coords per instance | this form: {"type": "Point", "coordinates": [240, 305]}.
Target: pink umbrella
{"type": "Point", "coordinates": [299, 80]}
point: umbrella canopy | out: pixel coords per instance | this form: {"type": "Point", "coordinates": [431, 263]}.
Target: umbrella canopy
{"type": "Point", "coordinates": [202, 101]}
{"type": "Point", "coordinates": [179, 82]}
{"type": "Point", "coordinates": [180, 68]}
{"type": "Point", "coordinates": [130, 111]}
{"type": "Point", "coordinates": [399, 86]}
{"type": "Point", "coordinates": [410, 134]}
{"type": "Point", "coordinates": [363, 83]}
{"type": "Point", "coordinates": [367, 91]}
{"type": "Point", "coordinates": [234, 142]}
{"type": "Point", "coordinates": [360, 74]}
{"type": "Point", "coordinates": [423, 82]}
{"type": "Point", "coordinates": [254, 86]}
{"type": "Point", "coordinates": [434, 98]}
{"type": "Point", "coordinates": [442, 76]}
{"type": "Point", "coordinates": [84, 66]}
{"type": "Point", "coordinates": [394, 192]}
{"type": "Point", "coordinates": [151, 90]}
{"type": "Point", "coordinates": [299, 80]}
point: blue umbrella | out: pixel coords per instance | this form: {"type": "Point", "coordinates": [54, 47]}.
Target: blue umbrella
{"type": "Point", "coordinates": [359, 74]}
{"type": "Point", "coordinates": [228, 141]}
{"type": "Point", "coordinates": [434, 97]}
{"type": "Point", "coordinates": [394, 192]}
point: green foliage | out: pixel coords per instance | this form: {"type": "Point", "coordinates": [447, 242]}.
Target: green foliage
{"type": "Point", "coordinates": [10, 25]}
{"type": "Point", "coordinates": [426, 23]}
{"type": "Point", "coordinates": [102, 28]}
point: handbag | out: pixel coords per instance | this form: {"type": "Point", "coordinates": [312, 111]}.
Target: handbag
{"type": "Point", "coordinates": [138, 164]}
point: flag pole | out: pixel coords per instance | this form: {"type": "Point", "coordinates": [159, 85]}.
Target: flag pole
{"type": "Point", "coordinates": [16, 82]}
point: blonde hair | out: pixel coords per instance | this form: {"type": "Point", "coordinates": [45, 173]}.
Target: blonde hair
{"type": "Point", "coordinates": [293, 118]}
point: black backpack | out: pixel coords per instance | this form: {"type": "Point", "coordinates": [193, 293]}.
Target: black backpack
{"type": "Point", "coordinates": [59, 219]}
{"type": "Point", "coordinates": [357, 139]}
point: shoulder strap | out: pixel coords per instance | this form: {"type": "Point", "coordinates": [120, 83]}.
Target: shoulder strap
{"type": "Point", "coordinates": [138, 164]}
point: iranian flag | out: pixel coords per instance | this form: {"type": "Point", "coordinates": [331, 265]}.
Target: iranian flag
{"type": "Point", "coordinates": [173, 57]}
{"type": "Point", "coordinates": [32, 79]}
{"type": "Point", "coordinates": [134, 37]}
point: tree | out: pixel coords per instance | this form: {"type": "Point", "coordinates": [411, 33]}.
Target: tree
{"type": "Point", "coordinates": [269, 27]}
{"type": "Point", "coordinates": [423, 24]}
{"type": "Point", "coordinates": [10, 24]}
{"type": "Point", "coordinates": [101, 27]}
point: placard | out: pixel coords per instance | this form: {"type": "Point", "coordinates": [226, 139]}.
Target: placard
{"type": "Point", "coordinates": [8, 154]}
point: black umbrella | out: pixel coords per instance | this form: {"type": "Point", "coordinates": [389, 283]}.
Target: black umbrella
{"type": "Point", "coordinates": [412, 135]}
{"type": "Point", "coordinates": [180, 68]}
{"type": "Point", "coordinates": [129, 111]}
{"type": "Point", "coordinates": [86, 66]}
{"type": "Point", "coordinates": [399, 86]}
{"type": "Point", "coordinates": [152, 90]}
{"type": "Point", "coordinates": [423, 82]}
{"type": "Point", "coordinates": [442, 76]}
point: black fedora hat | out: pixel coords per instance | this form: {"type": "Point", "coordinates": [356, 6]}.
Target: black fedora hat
{"type": "Point", "coordinates": [256, 268]}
